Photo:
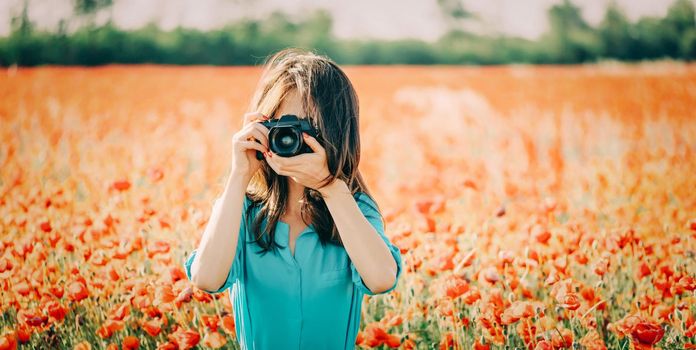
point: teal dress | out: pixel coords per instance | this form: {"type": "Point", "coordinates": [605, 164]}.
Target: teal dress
{"type": "Point", "coordinates": [308, 301]}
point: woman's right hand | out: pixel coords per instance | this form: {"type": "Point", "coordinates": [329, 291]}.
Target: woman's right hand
{"type": "Point", "coordinates": [244, 144]}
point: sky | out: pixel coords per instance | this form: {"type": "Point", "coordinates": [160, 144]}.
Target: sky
{"type": "Point", "coordinates": [388, 19]}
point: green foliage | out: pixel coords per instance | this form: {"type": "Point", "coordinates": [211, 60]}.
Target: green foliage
{"type": "Point", "coordinates": [90, 6]}
{"type": "Point", "coordinates": [570, 39]}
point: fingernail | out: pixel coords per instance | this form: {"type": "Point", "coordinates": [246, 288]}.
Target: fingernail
{"type": "Point", "coordinates": [304, 134]}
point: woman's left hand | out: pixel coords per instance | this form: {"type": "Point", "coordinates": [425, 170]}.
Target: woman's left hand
{"type": "Point", "coordinates": [308, 169]}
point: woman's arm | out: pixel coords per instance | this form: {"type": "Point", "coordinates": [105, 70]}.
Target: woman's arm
{"type": "Point", "coordinates": [216, 251]}
{"type": "Point", "coordinates": [366, 249]}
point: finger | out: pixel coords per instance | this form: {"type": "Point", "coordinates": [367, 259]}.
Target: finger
{"type": "Point", "coordinates": [255, 133]}
{"type": "Point", "coordinates": [295, 162]}
{"type": "Point", "coordinates": [247, 145]}
{"type": "Point", "coordinates": [252, 116]}
{"type": "Point", "coordinates": [281, 162]}
{"type": "Point", "coordinates": [287, 165]}
{"type": "Point", "coordinates": [301, 158]}
{"type": "Point", "coordinates": [264, 130]}
{"type": "Point", "coordinates": [290, 163]}
{"type": "Point", "coordinates": [313, 143]}
{"type": "Point", "coordinates": [273, 163]}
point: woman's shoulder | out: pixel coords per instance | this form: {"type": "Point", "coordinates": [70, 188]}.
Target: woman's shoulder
{"type": "Point", "coordinates": [365, 201]}
{"type": "Point", "coordinates": [362, 195]}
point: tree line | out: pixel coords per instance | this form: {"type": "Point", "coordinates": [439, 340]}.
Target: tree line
{"type": "Point", "coordinates": [569, 39]}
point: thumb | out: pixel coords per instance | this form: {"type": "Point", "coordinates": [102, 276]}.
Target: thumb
{"type": "Point", "coordinates": [313, 143]}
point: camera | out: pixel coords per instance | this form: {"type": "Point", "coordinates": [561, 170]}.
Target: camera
{"type": "Point", "coordinates": [285, 135]}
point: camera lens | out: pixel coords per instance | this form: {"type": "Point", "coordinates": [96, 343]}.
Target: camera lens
{"type": "Point", "coordinates": [285, 141]}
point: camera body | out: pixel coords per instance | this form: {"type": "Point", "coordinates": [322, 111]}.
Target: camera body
{"type": "Point", "coordinates": [285, 135]}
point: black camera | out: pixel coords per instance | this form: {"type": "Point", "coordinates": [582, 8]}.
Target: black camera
{"type": "Point", "coordinates": [285, 135]}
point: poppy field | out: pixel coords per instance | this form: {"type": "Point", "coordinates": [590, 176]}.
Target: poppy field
{"type": "Point", "coordinates": [536, 207]}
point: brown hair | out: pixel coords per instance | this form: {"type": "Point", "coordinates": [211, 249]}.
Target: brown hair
{"type": "Point", "coordinates": [331, 104]}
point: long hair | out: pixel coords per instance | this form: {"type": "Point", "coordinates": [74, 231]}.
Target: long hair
{"type": "Point", "coordinates": [331, 105]}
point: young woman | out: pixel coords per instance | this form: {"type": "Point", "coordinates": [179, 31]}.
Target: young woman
{"type": "Point", "coordinates": [311, 239]}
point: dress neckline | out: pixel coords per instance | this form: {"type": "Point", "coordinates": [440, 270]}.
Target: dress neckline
{"type": "Point", "coordinates": [285, 239]}
{"type": "Point", "coordinates": [309, 228]}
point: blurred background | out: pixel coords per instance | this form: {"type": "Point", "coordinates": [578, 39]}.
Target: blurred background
{"type": "Point", "coordinates": [533, 161]}
{"type": "Point", "coordinates": [240, 32]}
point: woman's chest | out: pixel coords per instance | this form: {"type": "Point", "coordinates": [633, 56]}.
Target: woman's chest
{"type": "Point", "coordinates": [310, 265]}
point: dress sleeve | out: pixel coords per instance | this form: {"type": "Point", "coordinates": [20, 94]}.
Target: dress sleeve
{"type": "Point", "coordinates": [369, 209]}
{"type": "Point", "coordinates": [238, 264]}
